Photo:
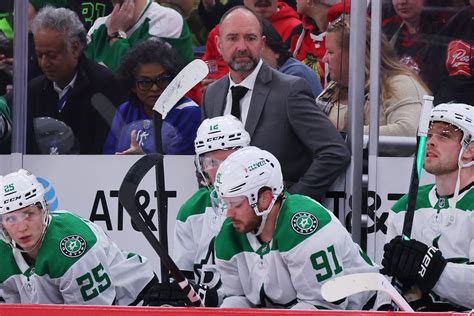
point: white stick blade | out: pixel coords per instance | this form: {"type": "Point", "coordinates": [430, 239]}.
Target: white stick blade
{"type": "Point", "coordinates": [184, 81]}
{"type": "Point", "coordinates": [346, 285]}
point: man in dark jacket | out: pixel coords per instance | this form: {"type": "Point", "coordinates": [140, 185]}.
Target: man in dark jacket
{"type": "Point", "coordinates": [73, 89]}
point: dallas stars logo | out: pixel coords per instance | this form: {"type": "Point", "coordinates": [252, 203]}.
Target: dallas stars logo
{"type": "Point", "coordinates": [72, 246]}
{"type": "Point", "coordinates": [304, 223]}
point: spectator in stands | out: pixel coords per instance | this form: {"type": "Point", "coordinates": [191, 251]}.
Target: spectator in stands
{"type": "Point", "coordinates": [6, 27]}
{"type": "Point", "coordinates": [449, 66]}
{"type": "Point", "coordinates": [146, 70]}
{"type": "Point", "coordinates": [6, 18]}
{"type": "Point", "coordinates": [307, 40]}
{"type": "Point", "coordinates": [211, 11]}
{"type": "Point", "coordinates": [184, 7]}
{"type": "Point", "coordinates": [281, 15]}
{"type": "Point", "coordinates": [5, 127]}
{"type": "Point", "coordinates": [134, 20]}
{"type": "Point", "coordinates": [277, 110]}
{"type": "Point", "coordinates": [6, 63]}
{"type": "Point", "coordinates": [70, 81]}
{"type": "Point", "coordinates": [188, 9]}
{"type": "Point", "coordinates": [401, 92]}
{"type": "Point", "coordinates": [276, 54]}
{"type": "Point", "coordinates": [411, 25]}
{"type": "Point", "coordinates": [87, 10]}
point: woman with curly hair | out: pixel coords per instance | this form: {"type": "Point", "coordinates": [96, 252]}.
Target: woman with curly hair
{"type": "Point", "coordinates": [146, 70]}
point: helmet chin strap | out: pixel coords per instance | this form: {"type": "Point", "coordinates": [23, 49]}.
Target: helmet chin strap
{"type": "Point", "coordinates": [452, 208]}
{"type": "Point", "coordinates": [264, 215]}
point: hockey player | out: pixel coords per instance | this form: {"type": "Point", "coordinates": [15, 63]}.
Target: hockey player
{"type": "Point", "coordinates": [60, 258]}
{"type": "Point", "coordinates": [197, 222]}
{"type": "Point", "coordinates": [276, 249]}
{"type": "Point", "coordinates": [439, 258]}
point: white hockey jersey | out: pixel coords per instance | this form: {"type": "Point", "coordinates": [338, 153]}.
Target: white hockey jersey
{"type": "Point", "coordinates": [455, 240]}
{"type": "Point", "coordinates": [309, 247]}
{"type": "Point", "coordinates": [77, 263]}
{"type": "Point", "coordinates": [195, 230]}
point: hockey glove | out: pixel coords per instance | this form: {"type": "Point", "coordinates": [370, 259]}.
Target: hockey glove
{"type": "Point", "coordinates": [172, 294]}
{"type": "Point", "coordinates": [413, 262]}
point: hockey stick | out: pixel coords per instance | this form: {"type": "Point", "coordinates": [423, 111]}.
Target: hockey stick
{"type": "Point", "coordinates": [346, 285]}
{"type": "Point", "coordinates": [127, 198]}
{"type": "Point", "coordinates": [184, 81]}
{"type": "Point", "coordinates": [416, 173]}
{"type": "Point", "coordinates": [107, 110]}
{"type": "Point", "coordinates": [417, 166]}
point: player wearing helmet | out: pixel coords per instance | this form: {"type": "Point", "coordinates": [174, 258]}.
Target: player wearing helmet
{"type": "Point", "coordinates": [197, 222]}
{"type": "Point", "coordinates": [276, 249]}
{"type": "Point", "coordinates": [438, 259]}
{"type": "Point", "coordinates": [60, 258]}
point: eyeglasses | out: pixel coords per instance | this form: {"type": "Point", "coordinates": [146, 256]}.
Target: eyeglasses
{"type": "Point", "coordinates": [10, 219]}
{"type": "Point", "coordinates": [161, 82]}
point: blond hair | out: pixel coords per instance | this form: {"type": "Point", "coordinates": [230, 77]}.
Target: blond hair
{"type": "Point", "coordinates": [390, 65]}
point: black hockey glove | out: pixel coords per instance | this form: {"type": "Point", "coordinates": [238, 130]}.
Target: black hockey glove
{"type": "Point", "coordinates": [413, 262]}
{"type": "Point", "coordinates": [172, 294]}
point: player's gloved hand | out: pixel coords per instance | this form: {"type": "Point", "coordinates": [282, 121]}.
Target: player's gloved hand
{"type": "Point", "coordinates": [413, 262]}
{"type": "Point", "coordinates": [165, 294]}
{"type": "Point", "coordinates": [172, 294]}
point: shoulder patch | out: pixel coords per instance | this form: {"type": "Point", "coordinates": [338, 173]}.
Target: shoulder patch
{"type": "Point", "coordinates": [73, 246]}
{"type": "Point", "coordinates": [304, 223]}
{"type": "Point", "coordinates": [422, 200]}
{"type": "Point", "coordinates": [195, 205]}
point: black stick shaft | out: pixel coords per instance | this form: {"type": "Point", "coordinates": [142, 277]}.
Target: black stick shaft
{"type": "Point", "coordinates": [161, 193]}
{"type": "Point", "coordinates": [415, 173]}
{"type": "Point", "coordinates": [127, 197]}
{"type": "Point", "coordinates": [411, 201]}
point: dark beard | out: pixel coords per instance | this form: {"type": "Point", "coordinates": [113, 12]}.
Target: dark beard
{"type": "Point", "coordinates": [243, 67]}
{"type": "Point", "coordinates": [263, 3]}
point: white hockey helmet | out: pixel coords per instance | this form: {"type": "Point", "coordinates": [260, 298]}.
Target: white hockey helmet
{"type": "Point", "coordinates": [458, 114]}
{"type": "Point", "coordinates": [219, 133]}
{"type": "Point", "coordinates": [245, 172]}
{"type": "Point", "coordinates": [222, 132]}
{"type": "Point", "coordinates": [18, 190]}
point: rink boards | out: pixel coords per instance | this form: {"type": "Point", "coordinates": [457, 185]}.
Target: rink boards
{"type": "Point", "coordinates": [71, 310]}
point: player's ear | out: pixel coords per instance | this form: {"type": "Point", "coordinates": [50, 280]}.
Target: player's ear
{"type": "Point", "coordinates": [468, 154]}
{"type": "Point", "coordinates": [217, 39]}
{"type": "Point", "coordinates": [264, 199]}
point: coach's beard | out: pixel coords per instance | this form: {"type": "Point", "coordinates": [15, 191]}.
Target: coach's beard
{"type": "Point", "coordinates": [263, 3]}
{"type": "Point", "coordinates": [243, 67]}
